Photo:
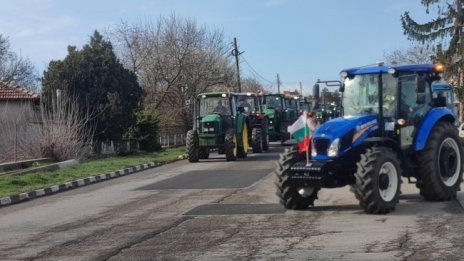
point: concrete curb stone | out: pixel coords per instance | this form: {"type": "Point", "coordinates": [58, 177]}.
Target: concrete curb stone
{"type": "Point", "coordinates": [17, 198]}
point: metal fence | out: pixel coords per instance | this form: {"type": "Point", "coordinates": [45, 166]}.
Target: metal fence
{"type": "Point", "coordinates": [172, 140]}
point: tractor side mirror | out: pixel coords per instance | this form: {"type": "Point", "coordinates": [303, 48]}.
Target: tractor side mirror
{"type": "Point", "coordinates": [421, 84]}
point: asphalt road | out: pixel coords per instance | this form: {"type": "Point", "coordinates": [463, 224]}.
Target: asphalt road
{"type": "Point", "coordinates": [218, 210]}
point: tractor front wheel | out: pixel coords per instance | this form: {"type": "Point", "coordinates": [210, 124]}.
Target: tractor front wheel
{"type": "Point", "coordinates": [378, 180]}
{"type": "Point", "coordinates": [292, 194]}
{"type": "Point", "coordinates": [191, 146]}
{"type": "Point", "coordinates": [257, 140]}
{"type": "Point", "coordinates": [440, 164]}
{"type": "Point", "coordinates": [265, 135]}
{"type": "Point", "coordinates": [230, 146]}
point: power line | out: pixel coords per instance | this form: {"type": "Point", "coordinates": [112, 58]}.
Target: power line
{"type": "Point", "coordinates": [254, 71]}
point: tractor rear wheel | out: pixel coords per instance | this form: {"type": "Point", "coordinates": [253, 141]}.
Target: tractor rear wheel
{"type": "Point", "coordinates": [292, 195]}
{"type": "Point", "coordinates": [191, 146]}
{"type": "Point", "coordinates": [230, 146]}
{"type": "Point", "coordinates": [378, 180]}
{"type": "Point", "coordinates": [203, 153]}
{"type": "Point", "coordinates": [440, 164]}
{"type": "Point", "coordinates": [242, 150]}
{"type": "Point", "coordinates": [257, 140]}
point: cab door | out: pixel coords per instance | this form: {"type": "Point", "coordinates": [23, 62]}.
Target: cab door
{"type": "Point", "coordinates": [414, 103]}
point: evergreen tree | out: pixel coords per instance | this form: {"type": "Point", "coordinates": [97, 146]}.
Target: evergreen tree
{"type": "Point", "coordinates": [99, 82]}
{"type": "Point", "coordinates": [445, 34]}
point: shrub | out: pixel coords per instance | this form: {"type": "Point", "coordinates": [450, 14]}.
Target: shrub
{"type": "Point", "coordinates": [146, 129]}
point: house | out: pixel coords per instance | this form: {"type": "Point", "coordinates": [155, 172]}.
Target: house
{"type": "Point", "coordinates": [19, 123]}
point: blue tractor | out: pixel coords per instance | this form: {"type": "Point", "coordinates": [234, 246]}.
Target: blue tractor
{"type": "Point", "coordinates": [393, 126]}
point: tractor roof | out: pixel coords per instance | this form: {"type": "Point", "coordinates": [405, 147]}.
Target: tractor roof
{"type": "Point", "coordinates": [274, 94]}
{"type": "Point", "coordinates": [245, 94]}
{"type": "Point", "coordinates": [398, 68]}
{"type": "Point", "coordinates": [221, 94]}
{"type": "Point", "coordinates": [212, 94]}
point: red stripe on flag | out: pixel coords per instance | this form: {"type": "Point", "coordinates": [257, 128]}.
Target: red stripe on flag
{"type": "Point", "coordinates": [304, 144]}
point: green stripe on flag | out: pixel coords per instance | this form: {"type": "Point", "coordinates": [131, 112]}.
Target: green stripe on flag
{"type": "Point", "coordinates": [300, 134]}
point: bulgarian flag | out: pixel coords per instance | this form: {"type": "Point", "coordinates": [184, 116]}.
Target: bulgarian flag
{"type": "Point", "coordinates": [300, 132]}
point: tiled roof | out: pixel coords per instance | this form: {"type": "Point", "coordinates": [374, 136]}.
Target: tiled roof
{"type": "Point", "coordinates": [9, 92]}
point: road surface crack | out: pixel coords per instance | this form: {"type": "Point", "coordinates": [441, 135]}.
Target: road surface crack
{"type": "Point", "coordinates": [144, 238]}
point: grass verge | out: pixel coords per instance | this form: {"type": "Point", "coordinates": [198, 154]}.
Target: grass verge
{"type": "Point", "coordinates": [17, 184]}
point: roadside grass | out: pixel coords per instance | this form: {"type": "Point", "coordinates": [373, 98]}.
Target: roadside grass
{"type": "Point", "coordinates": [17, 184]}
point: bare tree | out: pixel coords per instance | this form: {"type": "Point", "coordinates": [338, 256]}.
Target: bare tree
{"type": "Point", "coordinates": [416, 54]}
{"type": "Point", "coordinates": [15, 68]}
{"type": "Point", "coordinates": [253, 85]}
{"type": "Point", "coordinates": [175, 60]}
{"type": "Point", "coordinates": [65, 132]}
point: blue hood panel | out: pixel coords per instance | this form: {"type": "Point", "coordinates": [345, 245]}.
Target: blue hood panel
{"type": "Point", "coordinates": [336, 128]}
{"type": "Point", "coordinates": [362, 125]}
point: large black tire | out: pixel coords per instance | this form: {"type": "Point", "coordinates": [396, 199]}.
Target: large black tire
{"type": "Point", "coordinates": [440, 164]}
{"type": "Point", "coordinates": [287, 189]}
{"type": "Point", "coordinates": [242, 150]}
{"type": "Point", "coordinates": [230, 146]}
{"type": "Point", "coordinates": [284, 136]}
{"type": "Point", "coordinates": [191, 146]}
{"type": "Point", "coordinates": [203, 153]}
{"type": "Point", "coordinates": [265, 137]}
{"type": "Point", "coordinates": [257, 140]}
{"type": "Point", "coordinates": [377, 191]}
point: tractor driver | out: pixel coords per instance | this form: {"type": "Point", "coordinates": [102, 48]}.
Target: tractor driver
{"type": "Point", "coordinates": [242, 103]}
{"type": "Point", "coordinates": [220, 109]}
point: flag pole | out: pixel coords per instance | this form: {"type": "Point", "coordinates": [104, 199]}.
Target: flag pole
{"type": "Point", "coordinates": [306, 134]}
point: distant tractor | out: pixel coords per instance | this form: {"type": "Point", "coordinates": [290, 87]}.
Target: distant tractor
{"type": "Point", "coordinates": [219, 123]}
{"type": "Point", "coordinates": [257, 121]}
{"type": "Point", "coordinates": [393, 126]}
{"type": "Point", "coordinates": [281, 112]}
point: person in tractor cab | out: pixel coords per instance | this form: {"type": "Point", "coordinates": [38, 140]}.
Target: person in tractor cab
{"type": "Point", "coordinates": [220, 109]}
{"type": "Point", "coordinates": [242, 103]}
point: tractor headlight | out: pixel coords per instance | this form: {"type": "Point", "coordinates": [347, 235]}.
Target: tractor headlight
{"type": "Point", "coordinates": [333, 148]}
{"type": "Point", "coordinates": [270, 122]}
{"type": "Point", "coordinates": [313, 149]}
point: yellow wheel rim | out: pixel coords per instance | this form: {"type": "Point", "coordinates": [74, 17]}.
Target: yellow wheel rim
{"type": "Point", "coordinates": [245, 138]}
{"type": "Point", "coordinates": [234, 139]}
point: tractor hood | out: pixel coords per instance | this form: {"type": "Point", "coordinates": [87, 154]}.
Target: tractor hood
{"type": "Point", "coordinates": [349, 130]}
{"type": "Point", "coordinates": [211, 118]}
{"type": "Point", "coordinates": [270, 113]}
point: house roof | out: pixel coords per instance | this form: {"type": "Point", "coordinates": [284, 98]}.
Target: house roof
{"type": "Point", "coordinates": [10, 92]}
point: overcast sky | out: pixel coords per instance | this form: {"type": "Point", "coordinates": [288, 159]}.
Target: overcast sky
{"type": "Point", "coordinates": [302, 40]}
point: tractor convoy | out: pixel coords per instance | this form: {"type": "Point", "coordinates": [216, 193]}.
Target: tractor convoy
{"type": "Point", "coordinates": [393, 122]}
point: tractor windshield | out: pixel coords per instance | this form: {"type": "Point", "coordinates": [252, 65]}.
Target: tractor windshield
{"type": "Point", "coordinates": [361, 95]}
{"type": "Point", "coordinates": [274, 102]}
{"type": "Point", "coordinates": [218, 105]}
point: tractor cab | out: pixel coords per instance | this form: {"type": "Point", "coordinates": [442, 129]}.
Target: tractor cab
{"type": "Point", "coordinates": [393, 125]}
{"type": "Point", "coordinates": [281, 111]}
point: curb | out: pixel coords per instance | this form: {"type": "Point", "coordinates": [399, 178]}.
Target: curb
{"type": "Point", "coordinates": [17, 198]}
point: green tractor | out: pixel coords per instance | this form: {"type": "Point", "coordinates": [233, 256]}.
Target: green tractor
{"type": "Point", "coordinates": [219, 123]}
{"type": "Point", "coordinates": [257, 120]}
{"type": "Point", "coordinates": [281, 112]}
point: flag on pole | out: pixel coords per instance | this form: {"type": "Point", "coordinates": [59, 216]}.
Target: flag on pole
{"type": "Point", "coordinates": [300, 132]}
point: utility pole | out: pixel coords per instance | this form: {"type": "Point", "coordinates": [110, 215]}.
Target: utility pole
{"type": "Point", "coordinates": [278, 84]}
{"type": "Point", "coordinates": [301, 89]}
{"type": "Point", "coordinates": [236, 53]}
